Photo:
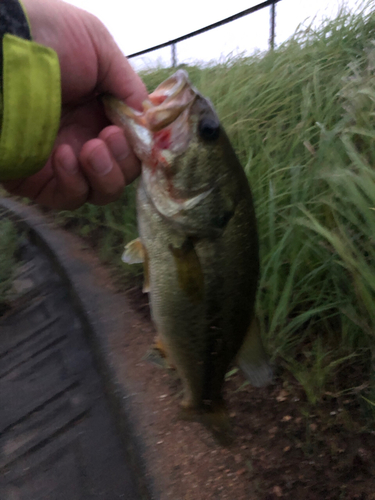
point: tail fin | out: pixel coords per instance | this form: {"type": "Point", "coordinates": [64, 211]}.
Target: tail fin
{"type": "Point", "coordinates": [253, 360]}
{"type": "Point", "coordinates": [216, 421]}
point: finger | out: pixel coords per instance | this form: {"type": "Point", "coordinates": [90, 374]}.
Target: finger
{"type": "Point", "coordinates": [81, 123]}
{"type": "Point", "coordinates": [72, 189]}
{"type": "Point", "coordinates": [122, 153]}
{"type": "Point", "coordinates": [67, 189]}
{"type": "Point", "coordinates": [123, 82]}
{"type": "Point", "coordinates": [104, 175]}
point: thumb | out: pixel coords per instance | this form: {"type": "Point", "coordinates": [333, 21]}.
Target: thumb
{"type": "Point", "coordinates": [115, 74]}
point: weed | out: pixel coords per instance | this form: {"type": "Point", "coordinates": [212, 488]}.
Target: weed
{"type": "Point", "coordinates": [8, 248]}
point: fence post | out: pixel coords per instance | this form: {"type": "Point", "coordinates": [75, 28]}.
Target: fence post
{"type": "Point", "coordinates": [272, 26]}
{"type": "Point", "coordinates": [174, 57]}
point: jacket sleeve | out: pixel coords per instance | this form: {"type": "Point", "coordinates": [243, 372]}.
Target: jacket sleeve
{"type": "Point", "coordinates": [30, 96]}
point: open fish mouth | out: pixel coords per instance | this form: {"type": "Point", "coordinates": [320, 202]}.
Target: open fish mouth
{"type": "Point", "coordinates": [159, 133]}
{"type": "Point", "coordinates": [163, 123]}
{"type": "Point", "coordinates": [168, 101]}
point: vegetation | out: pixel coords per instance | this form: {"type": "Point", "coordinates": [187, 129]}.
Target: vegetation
{"type": "Point", "coordinates": [302, 120]}
{"type": "Point", "coordinates": [8, 248]}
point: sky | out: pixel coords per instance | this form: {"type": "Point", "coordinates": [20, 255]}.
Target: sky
{"type": "Point", "coordinates": [140, 24]}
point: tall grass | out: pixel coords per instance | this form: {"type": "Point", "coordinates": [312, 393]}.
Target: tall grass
{"type": "Point", "coordinates": [302, 122]}
{"type": "Point", "coordinates": [8, 247]}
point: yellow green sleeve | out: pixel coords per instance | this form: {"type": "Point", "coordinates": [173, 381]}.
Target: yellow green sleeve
{"type": "Point", "coordinates": [31, 106]}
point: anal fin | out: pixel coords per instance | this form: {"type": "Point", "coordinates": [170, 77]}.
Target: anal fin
{"type": "Point", "coordinates": [157, 354]}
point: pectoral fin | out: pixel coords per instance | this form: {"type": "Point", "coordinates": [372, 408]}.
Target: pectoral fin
{"type": "Point", "coordinates": [136, 253]}
{"type": "Point", "coordinates": [189, 271]}
{"type": "Point", "coordinates": [252, 358]}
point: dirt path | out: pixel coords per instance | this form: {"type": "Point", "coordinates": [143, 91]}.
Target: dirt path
{"type": "Point", "coordinates": [278, 452]}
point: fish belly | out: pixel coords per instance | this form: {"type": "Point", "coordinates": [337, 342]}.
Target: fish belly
{"type": "Point", "coordinates": [201, 331]}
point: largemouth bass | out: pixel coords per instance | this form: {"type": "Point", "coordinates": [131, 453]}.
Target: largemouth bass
{"type": "Point", "coordinates": [199, 244]}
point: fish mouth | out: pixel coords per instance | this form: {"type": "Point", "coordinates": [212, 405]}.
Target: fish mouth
{"type": "Point", "coordinates": [168, 101]}
{"type": "Point", "coordinates": [164, 118]}
{"type": "Point", "coordinates": [158, 135]}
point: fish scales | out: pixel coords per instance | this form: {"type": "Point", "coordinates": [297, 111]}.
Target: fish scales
{"type": "Point", "coordinates": [224, 313]}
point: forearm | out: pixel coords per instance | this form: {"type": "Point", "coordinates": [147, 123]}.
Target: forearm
{"type": "Point", "coordinates": [30, 95]}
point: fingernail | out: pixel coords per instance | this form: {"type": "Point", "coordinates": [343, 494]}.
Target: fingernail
{"type": "Point", "coordinates": [118, 146]}
{"type": "Point", "coordinates": [66, 160]}
{"type": "Point", "coordinates": [100, 160]}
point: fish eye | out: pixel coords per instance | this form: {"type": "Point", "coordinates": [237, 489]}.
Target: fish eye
{"type": "Point", "coordinates": [209, 129]}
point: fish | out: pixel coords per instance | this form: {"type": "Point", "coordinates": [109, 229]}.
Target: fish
{"type": "Point", "coordinates": [198, 241]}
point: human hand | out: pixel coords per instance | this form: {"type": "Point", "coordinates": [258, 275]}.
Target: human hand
{"type": "Point", "coordinates": [91, 161]}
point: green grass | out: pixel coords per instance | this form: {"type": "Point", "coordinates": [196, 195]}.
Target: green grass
{"type": "Point", "coordinates": [302, 120]}
{"type": "Point", "coordinates": [107, 228]}
{"type": "Point", "coordinates": [8, 248]}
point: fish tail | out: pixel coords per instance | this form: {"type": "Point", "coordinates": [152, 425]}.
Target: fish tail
{"type": "Point", "coordinates": [216, 420]}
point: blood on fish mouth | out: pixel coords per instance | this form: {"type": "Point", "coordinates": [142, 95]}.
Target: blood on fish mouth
{"type": "Point", "coordinates": [162, 139]}
{"type": "Point", "coordinates": [157, 99]}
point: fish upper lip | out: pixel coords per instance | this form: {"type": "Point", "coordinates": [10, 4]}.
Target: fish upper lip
{"type": "Point", "coordinates": [169, 92]}
{"type": "Point", "coordinates": [164, 105]}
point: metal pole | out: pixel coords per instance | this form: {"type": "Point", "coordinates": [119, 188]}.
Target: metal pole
{"type": "Point", "coordinates": [272, 26]}
{"type": "Point", "coordinates": [174, 57]}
